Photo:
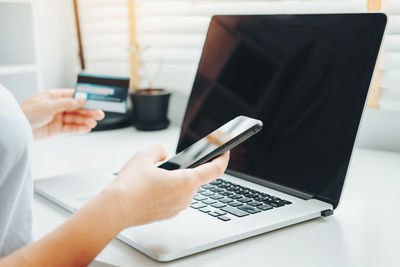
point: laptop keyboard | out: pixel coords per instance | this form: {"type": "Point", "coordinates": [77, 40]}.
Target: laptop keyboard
{"type": "Point", "coordinates": [222, 199]}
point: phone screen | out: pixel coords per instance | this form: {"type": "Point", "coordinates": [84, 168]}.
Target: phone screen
{"type": "Point", "coordinates": [214, 144]}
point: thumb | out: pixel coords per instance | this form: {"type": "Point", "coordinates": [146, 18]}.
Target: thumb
{"type": "Point", "coordinates": [212, 170]}
{"type": "Point", "coordinates": [67, 104]}
{"type": "Point", "coordinates": [154, 153]}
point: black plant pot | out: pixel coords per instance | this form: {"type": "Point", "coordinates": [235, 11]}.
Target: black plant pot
{"type": "Point", "coordinates": [150, 109]}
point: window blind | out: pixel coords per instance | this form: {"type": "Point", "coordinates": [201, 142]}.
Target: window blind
{"type": "Point", "coordinates": [390, 82]}
{"type": "Point", "coordinates": [105, 36]}
{"type": "Point", "coordinates": [170, 33]}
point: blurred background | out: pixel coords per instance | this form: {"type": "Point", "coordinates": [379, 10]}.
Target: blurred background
{"type": "Point", "coordinates": [161, 40]}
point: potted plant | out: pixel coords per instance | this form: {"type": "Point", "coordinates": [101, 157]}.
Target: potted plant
{"type": "Point", "coordinates": [149, 104]}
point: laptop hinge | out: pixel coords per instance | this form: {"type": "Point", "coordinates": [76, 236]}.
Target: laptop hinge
{"type": "Point", "coordinates": [271, 185]}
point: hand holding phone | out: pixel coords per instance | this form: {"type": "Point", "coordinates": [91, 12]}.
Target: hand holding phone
{"type": "Point", "coordinates": [215, 144]}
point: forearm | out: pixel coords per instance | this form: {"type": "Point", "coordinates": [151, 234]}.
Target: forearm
{"type": "Point", "coordinates": [142, 193]}
{"type": "Point", "coordinates": [77, 241]}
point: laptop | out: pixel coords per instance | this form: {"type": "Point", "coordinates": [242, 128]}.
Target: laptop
{"type": "Point", "coordinates": [307, 78]}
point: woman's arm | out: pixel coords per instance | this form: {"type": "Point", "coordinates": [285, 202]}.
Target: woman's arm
{"type": "Point", "coordinates": [141, 193]}
{"type": "Point", "coordinates": [77, 241]}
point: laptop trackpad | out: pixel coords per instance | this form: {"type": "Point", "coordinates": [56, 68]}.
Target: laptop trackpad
{"type": "Point", "coordinates": [76, 186]}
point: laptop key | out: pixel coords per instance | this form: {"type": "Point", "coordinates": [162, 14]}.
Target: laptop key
{"type": "Point", "coordinates": [231, 188]}
{"type": "Point", "coordinates": [245, 200]}
{"type": "Point", "coordinates": [198, 205]}
{"type": "Point", "coordinates": [216, 197]}
{"type": "Point", "coordinates": [224, 193]}
{"type": "Point", "coordinates": [267, 201]}
{"type": "Point", "coordinates": [223, 184]}
{"type": "Point", "coordinates": [251, 195]}
{"type": "Point", "coordinates": [226, 200]}
{"type": "Point", "coordinates": [276, 204]}
{"type": "Point", "coordinates": [207, 186]}
{"type": "Point", "coordinates": [287, 202]}
{"type": "Point", "coordinates": [236, 196]}
{"type": "Point", "coordinates": [209, 201]}
{"type": "Point", "coordinates": [220, 212]}
{"type": "Point", "coordinates": [224, 218]}
{"type": "Point", "coordinates": [200, 198]}
{"type": "Point", "coordinates": [216, 190]}
{"type": "Point", "coordinates": [281, 202]}
{"type": "Point", "coordinates": [235, 204]}
{"type": "Point", "coordinates": [255, 203]}
{"type": "Point", "coordinates": [207, 193]}
{"type": "Point", "coordinates": [218, 205]}
{"type": "Point", "coordinates": [213, 213]}
{"type": "Point", "coordinates": [265, 207]}
{"type": "Point", "coordinates": [235, 186]}
{"type": "Point", "coordinates": [249, 209]}
{"type": "Point", "coordinates": [205, 210]}
{"type": "Point", "coordinates": [234, 211]}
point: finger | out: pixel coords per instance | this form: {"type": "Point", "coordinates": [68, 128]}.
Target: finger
{"type": "Point", "coordinates": [94, 113]}
{"type": "Point", "coordinates": [154, 153]}
{"type": "Point", "coordinates": [61, 93]}
{"type": "Point", "coordinates": [78, 119]}
{"type": "Point", "coordinates": [212, 170]}
{"type": "Point", "coordinates": [72, 128]}
{"type": "Point", "coordinates": [67, 104]}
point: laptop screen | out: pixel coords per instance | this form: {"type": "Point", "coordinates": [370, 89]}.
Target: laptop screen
{"type": "Point", "coordinates": [305, 76]}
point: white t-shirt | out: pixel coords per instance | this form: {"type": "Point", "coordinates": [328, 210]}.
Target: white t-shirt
{"type": "Point", "coordinates": [15, 176]}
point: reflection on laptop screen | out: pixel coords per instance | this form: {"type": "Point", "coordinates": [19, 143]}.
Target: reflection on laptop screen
{"type": "Point", "coordinates": [305, 76]}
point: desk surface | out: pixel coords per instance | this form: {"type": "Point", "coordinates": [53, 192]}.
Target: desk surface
{"type": "Point", "coordinates": [363, 232]}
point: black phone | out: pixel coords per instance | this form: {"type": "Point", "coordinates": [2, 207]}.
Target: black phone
{"type": "Point", "coordinates": [215, 144]}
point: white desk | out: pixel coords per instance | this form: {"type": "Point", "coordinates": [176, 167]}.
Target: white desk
{"type": "Point", "coordinates": [363, 232]}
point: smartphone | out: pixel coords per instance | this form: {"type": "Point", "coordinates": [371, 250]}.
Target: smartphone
{"type": "Point", "coordinates": [215, 144]}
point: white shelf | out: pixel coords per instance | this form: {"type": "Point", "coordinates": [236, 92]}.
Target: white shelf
{"type": "Point", "coordinates": [15, 69]}
{"type": "Point", "coordinates": [17, 46]}
{"type": "Point", "coordinates": [21, 85]}
{"type": "Point", "coordinates": [19, 67]}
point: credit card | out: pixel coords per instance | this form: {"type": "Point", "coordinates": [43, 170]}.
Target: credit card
{"type": "Point", "coordinates": [104, 97]}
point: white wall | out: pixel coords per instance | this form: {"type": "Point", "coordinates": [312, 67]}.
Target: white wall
{"type": "Point", "coordinates": [380, 129]}
{"type": "Point", "coordinates": [56, 38]}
